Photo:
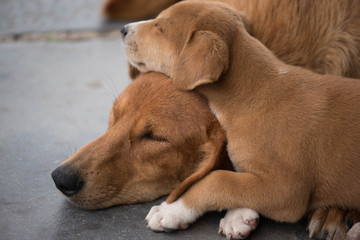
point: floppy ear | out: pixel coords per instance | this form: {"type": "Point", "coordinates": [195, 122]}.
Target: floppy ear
{"type": "Point", "coordinates": [213, 151]}
{"type": "Point", "coordinates": [203, 59]}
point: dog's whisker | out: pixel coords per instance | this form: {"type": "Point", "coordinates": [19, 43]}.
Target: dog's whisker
{"type": "Point", "coordinates": [68, 150]}
{"type": "Point", "coordinates": [113, 84]}
{"type": "Point", "coordinates": [111, 87]}
{"type": "Point", "coordinates": [108, 88]}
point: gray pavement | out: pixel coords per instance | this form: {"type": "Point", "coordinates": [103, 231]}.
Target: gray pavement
{"type": "Point", "coordinates": [55, 96]}
{"type": "Point", "coordinates": [19, 16]}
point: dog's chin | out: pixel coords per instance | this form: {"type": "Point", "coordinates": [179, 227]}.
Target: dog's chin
{"type": "Point", "coordinates": [142, 67]}
{"type": "Point", "coordinates": [90, 204]}
{"type": "Point", "coordinates": [94, 203]}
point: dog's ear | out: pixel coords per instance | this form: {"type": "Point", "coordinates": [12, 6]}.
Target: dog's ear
{"type": "Point", "coordinates": [212, 158]}
{"type": "Point", "coordinates": [203, 59]}
{"type": "Point", "coordinates": [133, 72]}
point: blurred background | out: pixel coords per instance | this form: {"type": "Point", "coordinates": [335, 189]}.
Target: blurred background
{"type": "Point", "coordinates": [21, 16]}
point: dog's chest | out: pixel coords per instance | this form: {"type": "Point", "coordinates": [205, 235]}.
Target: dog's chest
{"type": "Point", "coordinates": [241, 154]}
{"type": "Point", "coordinates": [217, 112]}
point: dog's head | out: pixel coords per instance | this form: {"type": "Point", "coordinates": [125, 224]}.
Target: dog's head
{"type": "Point", "coordinates": [189, 42]}
{"type": "Point", "coordinates": [153, 142]}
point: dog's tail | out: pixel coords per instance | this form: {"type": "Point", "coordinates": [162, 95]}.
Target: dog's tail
{"type": "Point", "coordinates": [212, 151]}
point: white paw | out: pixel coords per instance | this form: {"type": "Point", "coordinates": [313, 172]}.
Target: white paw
{"type": "Point", "coordinates": [238, 223]}
{"type": "Point", "coordinates": [168, 217]}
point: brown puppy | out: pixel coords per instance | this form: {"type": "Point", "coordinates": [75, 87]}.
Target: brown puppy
{"type": "Point", "coordinates": [293, 134]}
{"type": "Point", "coordinates": [157, 137]}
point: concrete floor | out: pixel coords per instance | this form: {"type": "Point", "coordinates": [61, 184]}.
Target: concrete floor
{"type": "Point", "coordinates": [54, 98]}
{"type": "Point", "coordinates": [18, 16]}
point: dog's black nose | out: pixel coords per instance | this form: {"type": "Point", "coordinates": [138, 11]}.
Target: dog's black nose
{"type": "Point", "coordinates": [124, 31]}
{"type": "Point", "coordinates": [67, 181]}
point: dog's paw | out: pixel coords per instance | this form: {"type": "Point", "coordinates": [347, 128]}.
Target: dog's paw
{"type": "Point", "coordinates": [169, 217]}
{"type": "Point", "coordinates": [332, 223]}
{"type": "Point", "coordinates": [238, 223]}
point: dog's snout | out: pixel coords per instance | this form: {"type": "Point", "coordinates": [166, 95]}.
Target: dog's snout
{"type": "Point", "coordinates": [67, 181]}
{"type": "Point", "coordinates": [124, 30]}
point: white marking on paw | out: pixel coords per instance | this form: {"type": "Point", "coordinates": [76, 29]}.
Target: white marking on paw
{"type": "Point", "coordinates": [238, 223]}
{"type": "Point", "coordinates": [168, 217]}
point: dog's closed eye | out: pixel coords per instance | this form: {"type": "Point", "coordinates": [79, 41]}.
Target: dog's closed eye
{"type": "Point", "coordinates": [149, 135]}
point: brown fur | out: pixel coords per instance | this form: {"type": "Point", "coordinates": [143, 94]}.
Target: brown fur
{"type": "Point", "coordinates": [328, 223]}
{"type": "Point", "coordinates": [322, 35]}
{"type": "Point", "coordinates": [298, 132]}
{"type": "Point", "coordinates": [134, 9]}
{"type": "Point", "coordinates": [138, 159]}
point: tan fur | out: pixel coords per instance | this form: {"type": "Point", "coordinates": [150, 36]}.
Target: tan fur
{"type": "Point", "coordinates": [134, 9]}
{"type": "Point", "coordinates": [138, 158]}
{"type": "Point", "coordinates": [322, 35]}
{"type": "Point", "coordinates": [295, 135]}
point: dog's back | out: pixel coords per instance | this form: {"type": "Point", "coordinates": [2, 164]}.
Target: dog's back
{"type": "Point", "coordinates": [321, 35]}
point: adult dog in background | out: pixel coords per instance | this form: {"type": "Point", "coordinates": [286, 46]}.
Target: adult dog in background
{"type": "Point", "coordinates": [199, 45]}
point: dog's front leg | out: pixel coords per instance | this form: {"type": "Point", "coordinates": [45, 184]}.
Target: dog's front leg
{"type": "Point", "coordinates": [202, 197]}
{"type": "Point", "coordinates": [227, 190]}
{"type": "Point", "coordinates": [237, 223]}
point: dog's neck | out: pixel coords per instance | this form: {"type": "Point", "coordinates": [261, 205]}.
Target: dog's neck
{"type": "Point", "coordinates": [252, 67]}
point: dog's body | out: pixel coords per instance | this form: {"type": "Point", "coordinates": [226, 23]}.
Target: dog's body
{"type": "Point", "coordinates": [323, 36]}
{"type": "Point", "coordinates": [293, 135]}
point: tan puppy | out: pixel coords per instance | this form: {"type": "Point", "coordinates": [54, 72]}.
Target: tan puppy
{"type": "Point", "coordinates": [154, 141]}
{"type": "Point", "coordinates": [321, 35]}
{"type": "Point", "coordinates": [293, 135]}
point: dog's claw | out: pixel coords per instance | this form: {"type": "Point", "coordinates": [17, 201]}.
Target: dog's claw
{"type": "Point", "coordinates": [183, 226]}
{"type": "Point", "coordinates": [252, 222]}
